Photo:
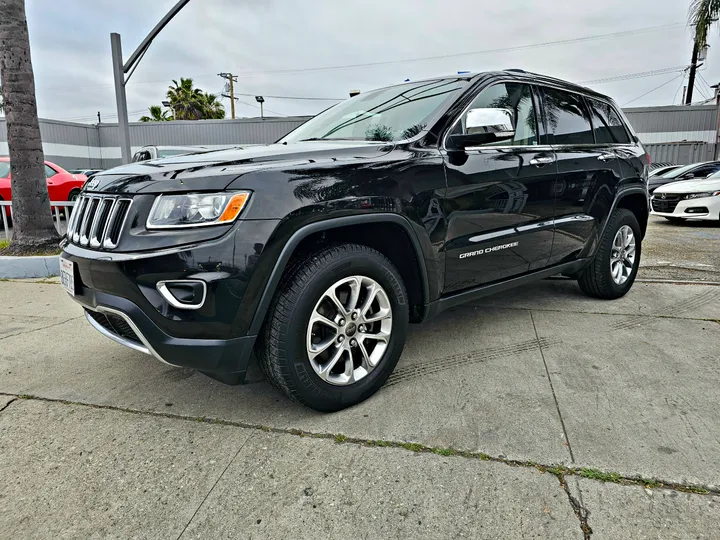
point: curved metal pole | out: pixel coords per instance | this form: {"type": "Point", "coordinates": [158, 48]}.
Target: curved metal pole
{"type": "Point", "coordinates": [120, 69]}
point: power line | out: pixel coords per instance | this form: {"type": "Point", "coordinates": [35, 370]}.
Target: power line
{"type": "Point", "coordinates": [638, 75]}
{"type": "Point", "coordinates": [595, 37]}
{"type": "Point", "coordinates": [656, 88]}
{"type": "Point", "coordinates": [292, 97]}
{"type": "Point", "coordinates": [473, 53]}
{"type": "Point", "coordinates": [682, 80]}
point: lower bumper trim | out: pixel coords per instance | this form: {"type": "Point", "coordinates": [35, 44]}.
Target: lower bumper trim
{"type": "Point", "coordinates": [145, 348]}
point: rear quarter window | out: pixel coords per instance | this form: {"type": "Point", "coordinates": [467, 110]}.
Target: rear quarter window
{"type": "Point", "coordinates": [607, 125]}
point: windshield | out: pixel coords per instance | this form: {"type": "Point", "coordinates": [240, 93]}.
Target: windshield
{"type": "Point", "coordinates": [679, 172]}
{"type": "Point", "coordinates": [390, 114]}
{"type": "Point", "coordinates": [4, 169]}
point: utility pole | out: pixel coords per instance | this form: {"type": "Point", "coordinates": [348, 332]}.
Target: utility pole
{"type": "Point", "coordinates": [231, 80]}
{"type": "Point", "coordinates": [99, 120]}
{"type": "Point", "coordinates": [120, 69]}
{"type": "Point", "coordinates": [691, 80]}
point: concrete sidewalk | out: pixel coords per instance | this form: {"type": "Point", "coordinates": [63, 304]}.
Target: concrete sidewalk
{"type": "Point", "coordinates": [539, 413]}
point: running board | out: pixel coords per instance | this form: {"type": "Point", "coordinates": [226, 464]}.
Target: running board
{"type": "Point", "coordinates": [448, 302]}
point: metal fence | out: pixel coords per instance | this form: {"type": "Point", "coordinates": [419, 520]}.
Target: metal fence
{"type": "Point", "coordinates": [61, 212]}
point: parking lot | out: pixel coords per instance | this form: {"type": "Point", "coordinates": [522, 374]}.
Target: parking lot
{"type": "Point", "coordinates": [536, 413]}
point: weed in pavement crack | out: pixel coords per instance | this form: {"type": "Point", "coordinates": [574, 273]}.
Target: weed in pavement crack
{"type": "Point", "coordinates": [557, 470]}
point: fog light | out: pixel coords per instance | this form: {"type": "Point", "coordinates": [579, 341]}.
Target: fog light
{"type": "Point", "coordinates": [697, 210]}
{"type": "Point", "coordinates": [183, 293]}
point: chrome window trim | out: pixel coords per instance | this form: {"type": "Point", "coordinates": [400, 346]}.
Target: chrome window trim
{"type": "Point", "coordinates": [539, 85]}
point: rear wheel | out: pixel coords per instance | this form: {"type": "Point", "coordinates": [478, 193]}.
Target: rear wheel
{"type": "Point", "coordinates": [336, 328]}
{"type": "Point", "coordinates": [615, 265]}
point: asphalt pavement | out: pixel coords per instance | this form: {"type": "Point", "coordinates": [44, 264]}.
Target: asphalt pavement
{"type": "Point", "coordinates": [536, 413]}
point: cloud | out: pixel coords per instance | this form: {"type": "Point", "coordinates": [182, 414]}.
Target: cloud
{"type": "Point", "coordinates": [255, 39]}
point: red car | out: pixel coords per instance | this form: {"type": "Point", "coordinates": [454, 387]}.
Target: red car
{"type": "Point", "coordinates": [62, 186]}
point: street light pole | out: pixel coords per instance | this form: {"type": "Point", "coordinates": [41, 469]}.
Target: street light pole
{"type": "Point", "coordinates": [120, 70]}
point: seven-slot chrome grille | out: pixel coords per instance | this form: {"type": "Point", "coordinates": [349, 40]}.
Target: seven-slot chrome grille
{"type": "Point", "coordinates": [97, 221]}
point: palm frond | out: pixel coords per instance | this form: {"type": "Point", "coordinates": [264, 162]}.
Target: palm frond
{"type": "Point", "coordinates": [702, 14]}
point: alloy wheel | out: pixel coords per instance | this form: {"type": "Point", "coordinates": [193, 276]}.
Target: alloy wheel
{"type": "Point", "coordinates": [349, 330]}
{"type": "Point", "coordinates": [623, 255]}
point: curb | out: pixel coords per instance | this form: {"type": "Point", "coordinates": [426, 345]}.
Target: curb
{"type": "Point", "coordinates": [29, 267]}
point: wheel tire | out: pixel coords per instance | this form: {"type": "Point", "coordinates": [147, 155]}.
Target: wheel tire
{"type": "Point", "coordinates": [73, 195]}
{"type": "Point", "coordinates": [596, 280]}
{"type": "Point", "coordinates": [675, 220]}
{"type": "Point", "coordinates": [283, 350]}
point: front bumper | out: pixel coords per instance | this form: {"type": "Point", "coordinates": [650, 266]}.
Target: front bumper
{"type": "Point", "coordinates": [680, 210]}
{"type": "Point", "coordinates": [122, 298]}
{"type": "Point", "coordinates": [125, 323]}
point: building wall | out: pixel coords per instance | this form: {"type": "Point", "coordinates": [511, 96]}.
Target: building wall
{"type": "Point", "coordinates": [75, 146]}
{"type": "Point", "coordinates": [675, 134]}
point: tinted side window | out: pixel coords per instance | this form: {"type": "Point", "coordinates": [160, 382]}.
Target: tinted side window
{"type": "Point", "coordinates": [705, 170]}
{"type": "Point", "coordinates": [607, 124]}
{"type": "Point", "coordinates": [49, 171]}
{"type": "Point", "coordinates": [567, 118]}
{"type": "Point", "coordinates": [513, 97]}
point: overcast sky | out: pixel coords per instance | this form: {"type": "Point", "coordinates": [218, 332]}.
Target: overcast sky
{"type": "Point", "coordinates": [276, 46]}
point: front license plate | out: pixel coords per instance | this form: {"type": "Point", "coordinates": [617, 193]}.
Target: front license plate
{"type": "Point", "coordinates": [67, 275]}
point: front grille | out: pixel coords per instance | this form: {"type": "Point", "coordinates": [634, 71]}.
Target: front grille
{"type": "Point", "coordinates": [97, 221]}
{"type": "Point", "coordinates": [667, 205]}
{"type": "Point", "coordinates": [116, 325]}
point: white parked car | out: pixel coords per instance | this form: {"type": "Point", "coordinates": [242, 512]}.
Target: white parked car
{"type": "Point", "coordinates": [689, 199]}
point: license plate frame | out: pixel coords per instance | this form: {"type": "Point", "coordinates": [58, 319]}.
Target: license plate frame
{"type": "Point", "coordinates": [67, 276]}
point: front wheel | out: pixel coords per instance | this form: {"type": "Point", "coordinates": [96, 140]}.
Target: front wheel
{"type": "Point", "coordinates": [336, 328]}
{"type": "Point", "coordinates": [615, 265]}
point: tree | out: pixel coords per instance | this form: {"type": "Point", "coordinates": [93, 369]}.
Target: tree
{"type": "Point", "coordinates": [213, 109]}
{"type": "Point", "coordinates": [34, 231]}
{"type": "Point", "coordinates": [2, 102]}
{"type": "Point", "coordinates": [156, 115]}
{"type": "Point", "coordinates": [187, 103]}
{"type": "Point", "coordinates": [702, 15]}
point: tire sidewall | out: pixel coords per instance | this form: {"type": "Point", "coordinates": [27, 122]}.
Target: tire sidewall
{"type": "Point", "coordinates": [308, 383]}
{"type": "Point", "coordinates": [630, 220]}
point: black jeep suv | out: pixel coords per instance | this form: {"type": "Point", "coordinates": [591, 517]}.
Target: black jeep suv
{"type": "Point", "coordinates": [317, 251]}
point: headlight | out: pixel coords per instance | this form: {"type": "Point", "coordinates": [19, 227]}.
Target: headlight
{"type": "Point", "coordinates": [701, 195]}
{"type": "Point", "coordinates": [196, 209]}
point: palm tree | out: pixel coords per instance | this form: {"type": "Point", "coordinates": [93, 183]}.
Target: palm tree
{"type": "Point", "coordinates": [213, 109]}
{"type": "Point", "coordinates": [702, 15]}
{"type": "Point", "coordinates": [34, 231]}
{"type": "Point", "coordinates": [186, 101]}
{"type": "Point", "coordinates": [156, 115]}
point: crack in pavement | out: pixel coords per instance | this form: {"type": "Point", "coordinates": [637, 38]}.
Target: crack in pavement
{"type": "Point", "coordinates": [42, 328]}
{"type": "Point", "coordinates": [578, 506]}
{"type": "Point", "coordinates": [214, 486]}
{"type": "Point", "coordinates": [581, 511]}
{"type": "Point", "coordinates": [8, 404]}
{"type": "Point", "coordinates": [584, 472]}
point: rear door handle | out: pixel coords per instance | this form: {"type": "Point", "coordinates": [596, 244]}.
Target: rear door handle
{"type": "Point", "coordinates": [542, 160]}
{"type": "Point", "coordinates": [606, 157]}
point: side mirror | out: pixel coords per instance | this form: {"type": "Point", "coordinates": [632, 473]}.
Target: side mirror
{"type": "Point", "coordinates": [689, 176]}
{"type": "Point", "coordinates": [485, 126]}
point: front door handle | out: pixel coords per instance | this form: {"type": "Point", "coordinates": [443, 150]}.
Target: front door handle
{"type": "Point", "coordinates": [606, 157]}
{"type": "Point", "coordinates": [542, 160]}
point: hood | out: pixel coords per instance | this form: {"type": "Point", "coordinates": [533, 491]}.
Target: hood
{"type": "Point", "coordinates": [216, 170]}
{"type": "Point", "coordinates": [691, 186]}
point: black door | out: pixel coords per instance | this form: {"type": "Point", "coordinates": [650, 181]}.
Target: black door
{"type": "Point", "coordinates": [588, 171]}
{"type": "Point", "coordinates": [499, 199]}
